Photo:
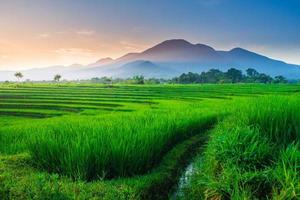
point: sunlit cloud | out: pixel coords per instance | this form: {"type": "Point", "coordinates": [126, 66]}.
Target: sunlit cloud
{"type": "Point", "coordinates": [85, 32]}
{"type": "Point", "coordinates": [2, 57]}
{"type": "Point", "coordinates": [61, 32]}
{"type": "Point", "coordinates": [76, 55]}
{"type": "Point", "coordinates": [74, 52]}
{"type": "Point", "coordinates": [131, 45]}
{"type": "Point", "coordinates": [44, 35]}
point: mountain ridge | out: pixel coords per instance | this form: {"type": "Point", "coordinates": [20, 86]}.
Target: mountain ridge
{"type": "Point", "coordinates": [171, 58]}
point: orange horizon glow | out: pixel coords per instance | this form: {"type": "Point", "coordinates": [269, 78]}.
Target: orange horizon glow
{"type": "Point", "coordinates": [60, 48]}
{"type": "Point", "coordinates": [65, 48]}
{"type": "Point", "coordinates": [44, 33]}
{"type": "Point", "coordinates": [77, 47]}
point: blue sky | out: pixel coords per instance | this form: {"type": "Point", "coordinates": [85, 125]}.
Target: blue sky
{"type": "Point", "coordinates": [47, 32]}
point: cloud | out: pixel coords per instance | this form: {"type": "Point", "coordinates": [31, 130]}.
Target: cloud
{"type": "Point", "coordinates": [131, 46]}
{"type": "Point", "coordinates": [85, 32]}
{"type": "Point", "coordinates": [44, 35]}
{"type": "Point", "coordinates": [61, 32]}
{"type": "Point", "coordinates": [3, 56]}
{"type": "Point", "coordinates": [75, 52]}
{"type": "Point", "coordinates": [68, 56]}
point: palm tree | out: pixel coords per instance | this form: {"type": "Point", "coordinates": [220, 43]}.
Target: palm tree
{"type": "Point", "coordinates": [19, 76]}
{"type": "Point", "coordinates": [57, 77]}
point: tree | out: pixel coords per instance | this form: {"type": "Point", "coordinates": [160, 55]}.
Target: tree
{"type": "Point", "coordinates": [263, 78]}
{"type": "Point", "coordinates": [189, 78]}
{"type": "Point", "coordinates": [234, 75]}
{"type": "Point", "coordinates": [139, 79]}
{"type": "Point", "coordinates": [19, 76]}
{"type": "Point", "coordinates": [212, 76]}
{"type": "Point", "coordinates": [57, 77]}
{"type": "Point", "coordinates": [103, 80]}
{"type": "Point", "coordinates": [280, 79]}
{"type": "Point", "coordinates": [252, 73]}
{"type": "Point", "coordinates": [153, 81]}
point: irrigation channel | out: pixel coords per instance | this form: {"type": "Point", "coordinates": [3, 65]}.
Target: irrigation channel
{"type": "Point", "coordinates": [183, 182]}
{"type": "Point", "coordinates": [188, 167]}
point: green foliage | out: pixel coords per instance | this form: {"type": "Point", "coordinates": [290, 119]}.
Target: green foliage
{"type": "Point", "coordinates": [18, 75]}
{"type": "Point", "coordinates": [138, 79]}
{"type": "Point", "coordinates": [231, 76]}
{"type": "Point", "coordinates": [234, 75]}
{"type": "Point", "coordinates": [57, 77]}
{"type": "Point", "coordinates": [102, 80]}
{"type": "Point", "coordinates": [132, 141]}
{"type": "Point", "coordinates": [277, 117]}
{"type": "Point", "coordinates": [114, 146]}
{"type": "Point", "coordinates": [18, 180]}
{"type": "Point", "coordinates": [252, 155]}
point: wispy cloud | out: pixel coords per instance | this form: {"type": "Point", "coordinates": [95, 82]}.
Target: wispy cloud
{"type": "Point", "coordinates": [44, 35]}
{"type": "Point", "coordinates": [75, 52]}
{"type": "Point", "coordinates": [131, 45]}
{"type": "Point", "coordinates": [85, 32]}
{"type": "Point", "coordinates": [3, 56]}
{"type": "Point", "coordinates": [68, 56]}
{"type": "Point", "coordinates": [61, 32]}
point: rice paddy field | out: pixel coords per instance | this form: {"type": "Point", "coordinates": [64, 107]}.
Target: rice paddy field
{"type": "Point", "coordinates": [92, 141]}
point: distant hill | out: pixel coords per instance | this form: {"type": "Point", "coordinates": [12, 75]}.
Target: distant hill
{"type": "Point", "coordinates": [167, 59]}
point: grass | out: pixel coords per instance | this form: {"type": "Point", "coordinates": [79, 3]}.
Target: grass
{"type": "Point", "coordinates": [253, 154]}
{"type": "Point", "coordinates": [115, 146]}
{"type": "Point", "coordinates": [20, 181]}
{"type": "Point", "coordinates": [132, 142]}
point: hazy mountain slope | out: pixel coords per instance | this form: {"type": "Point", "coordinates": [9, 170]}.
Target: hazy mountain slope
{"type": "Point", "coordinates": [176, 51]}
{"type": "Point", "coordinates": [182, 56]}
{"type": "Point", "coordinates": [142, 67]}
{"type": "Point", "coordinates": [243, 59]}
{"type": "Point", "coordinates": [100, 62]}
{"type": "Point", "coordinates": [167, 59]}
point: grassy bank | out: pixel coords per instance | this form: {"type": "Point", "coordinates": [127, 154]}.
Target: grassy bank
{"type": "Point", "coordinates": [254, 154]}
{"type": "Point", "coordinates": [20, 181]}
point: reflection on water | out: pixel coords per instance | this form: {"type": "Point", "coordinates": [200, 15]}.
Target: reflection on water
{"type": "Point", "coordinates": [183, 181]}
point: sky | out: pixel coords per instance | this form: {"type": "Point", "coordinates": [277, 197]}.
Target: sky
{"type": "Point", "coordinates": [40, 33]}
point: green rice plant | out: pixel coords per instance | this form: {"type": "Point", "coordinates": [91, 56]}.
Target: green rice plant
{"type": "Point", "coordinates": [245, 147]}
{"type": "Point", "coordinates": [276, 116]}
{"type": "Point", "coordinates": [287, 174]}
{"type": "Point", "coordinates": [250, 155]}
{"type": "Point", "coordinates": [117, 146]}
{"type": "Point", "coordinates": [253, 154]}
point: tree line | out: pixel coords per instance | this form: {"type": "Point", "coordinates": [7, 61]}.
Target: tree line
{"type": "Point", "coordinates": [232, 75]}
{"type": "Point", "coordinates": [19, 76]}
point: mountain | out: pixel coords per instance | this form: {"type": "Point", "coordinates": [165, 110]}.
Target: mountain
{"type": "Point", "coordinates": [102, 61]}
{"type": "Point", "coordinates": [142, 67]}
{"type": "Point", "coordinates": [182, 56]}
{"type": "Point", "coordinates": [167, 59]}
{"type": "Point", "coordinates": [175, 51]}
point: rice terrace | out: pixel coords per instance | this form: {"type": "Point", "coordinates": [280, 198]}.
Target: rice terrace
{"type": "Point", "coordinates": [149, 100]}
{"type": "Point", "coordinates": [68, 141]}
